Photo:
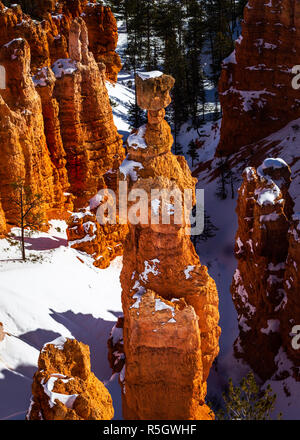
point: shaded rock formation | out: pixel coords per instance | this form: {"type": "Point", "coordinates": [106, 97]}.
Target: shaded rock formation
{"type": "Point", "coordinates": [265, 281]}
{"type": "Point", "coordinates": [291, 316]}
{"type": "Point", "coordinates": [48, 38]}
{"type": "Point", "coordinates": [256, 92]}
{"type": "Point", "coordinates": [170, 302]}
{"type": "Point", "coordinates": [64, 388]}
{"type": "Point", "coordinates": [115, 345]}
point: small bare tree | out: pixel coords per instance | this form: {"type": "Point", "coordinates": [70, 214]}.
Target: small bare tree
{"type": "Point", "coordinates": [28, 206]}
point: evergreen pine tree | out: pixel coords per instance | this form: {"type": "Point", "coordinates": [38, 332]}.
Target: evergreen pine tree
{"type": "Point", "coordinates": [247, 401]}
{"type": "Point", "coordinates": [192, 151]}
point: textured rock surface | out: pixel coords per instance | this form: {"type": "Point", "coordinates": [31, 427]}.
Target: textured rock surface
{"type": "Point", "coordinates": [48, 37]}
{"type": "Point", "coordinates": [2, 221]}
{"type": "Point", "coordinates": [265, 283]}
{"type": "Point", "coordinates": [64, 388]}
{"type": "Point", "coordinates": [94, 149]}
{"type": "Point", "coordinates": [52, 128]}
{"type": "Point", "coordinates": [58, 130]}
{"type": "Point", "coordinates": [291, 317]}
{"type": "Point", "coordinates": [89, 136]}
{"type": "Point", "coordinates": [256, 90]}
{"type": "Point", "coordinates": [170, 303]}
{"type": "Point", "coordinates": [103, 242]}
{"type": "Point", "coordinates": [24, 152]}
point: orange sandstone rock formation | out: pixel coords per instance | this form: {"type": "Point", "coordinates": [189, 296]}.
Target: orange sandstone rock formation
{"type": "Point", "coordinates": [89, 136]}
{"type": "Point", "coordinates": [57, 127]}
{"type": "Point", "coordinates": [256, 92]}
{"type": "Point", "coordinates": [2, 222]}
{"type": "Point", "coordinates": [170, 302]}
{"type": "Point", "coordinates": [64, 388]}
{"type": "Point", "coordinates": [102, 242]}
{"type": "Point", "coordinates": [94, 149]}
{"type": "Point", "coordinates": [24, 152]}
{"type": "Point", "coordinates": [48, 38]}
{"type": "Point", "coordinates": [265, 283]}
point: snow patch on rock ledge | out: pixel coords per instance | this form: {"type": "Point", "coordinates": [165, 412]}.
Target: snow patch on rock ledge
{"type": "Point", "coordinates": [64, 67]}
{"type": "Point", "coordinates": [137, 140]}
{"type": "Point", "coordinates": [148, 75]}
{"type": "Point", "coordinates": [187, 272]}
{"type": "Point", "coordinates": [66, 399]}
{"type": "Point", "coordinates": [272, 327]}
{"type": "Point", "coordinates": [58, 343]}
{"type": "Point", "coordinates": [128, 168]}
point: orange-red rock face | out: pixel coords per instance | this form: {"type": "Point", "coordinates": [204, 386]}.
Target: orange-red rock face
{"type": "Point", "coordinates": [59, 135]}
{"type": "Point", "coordinates": [103, 242]}
{"type": "Point", "coordinates": [64, 388]}
{"type": "Point", "coordinates": [256, 92]}
{"type": "Point", "coordinates": [170, 303]}
{"type": "Point", "coordinates": [265, 283]}
{"type": "Point", "coordinates": [48, 38]}
{"type": "Point", "coordinates": [89, 135]}
{"type": "Point", "coordinates": [94, 149]}
{"type": "Point", "coordinates": [24, 152]}
{"type": "Point", "coordinates": [2, 221]}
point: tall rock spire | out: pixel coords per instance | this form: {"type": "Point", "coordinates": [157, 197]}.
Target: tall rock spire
{"type": "Point", "coordinates": [170, 302]}
{"type": "Point", "coordinates": [265, 284]}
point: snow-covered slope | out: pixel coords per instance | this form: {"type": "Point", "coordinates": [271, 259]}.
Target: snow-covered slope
{"type": "Point", "coordinates": [54, 293]}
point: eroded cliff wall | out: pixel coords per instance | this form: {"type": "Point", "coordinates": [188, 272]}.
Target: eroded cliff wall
{"type": "Point", "coordinates": [256, 92]}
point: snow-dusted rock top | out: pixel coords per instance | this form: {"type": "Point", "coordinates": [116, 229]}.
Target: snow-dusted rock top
{"type": "Point", "coordinates": [271, 162]}
{"type": "Point", "coordinates": [64, 67]}
{"type": "Point", "coordinates": [147, 75]}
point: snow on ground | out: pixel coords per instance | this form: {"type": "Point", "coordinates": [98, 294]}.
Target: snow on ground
{"type": "Point", "coordinates": [208, 134]}
{"type": "Point", "coordinates": [123, 92]}
{"type": "Point", "coordinates": [52, 294]}
{"type": "Point", "coordinates": [122, 95]}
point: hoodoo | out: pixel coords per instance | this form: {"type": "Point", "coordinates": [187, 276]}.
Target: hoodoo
{"type": "Point", "coordinates": [64, 388]}
{"type": "Point", "coordinates": [47, 27]}
{"type": "Point", "coordinates": [56, 127]}
{"type": "Point", "coordinates": [265, 283]}
{"type": "Point", "coordinates": [170, 302]}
